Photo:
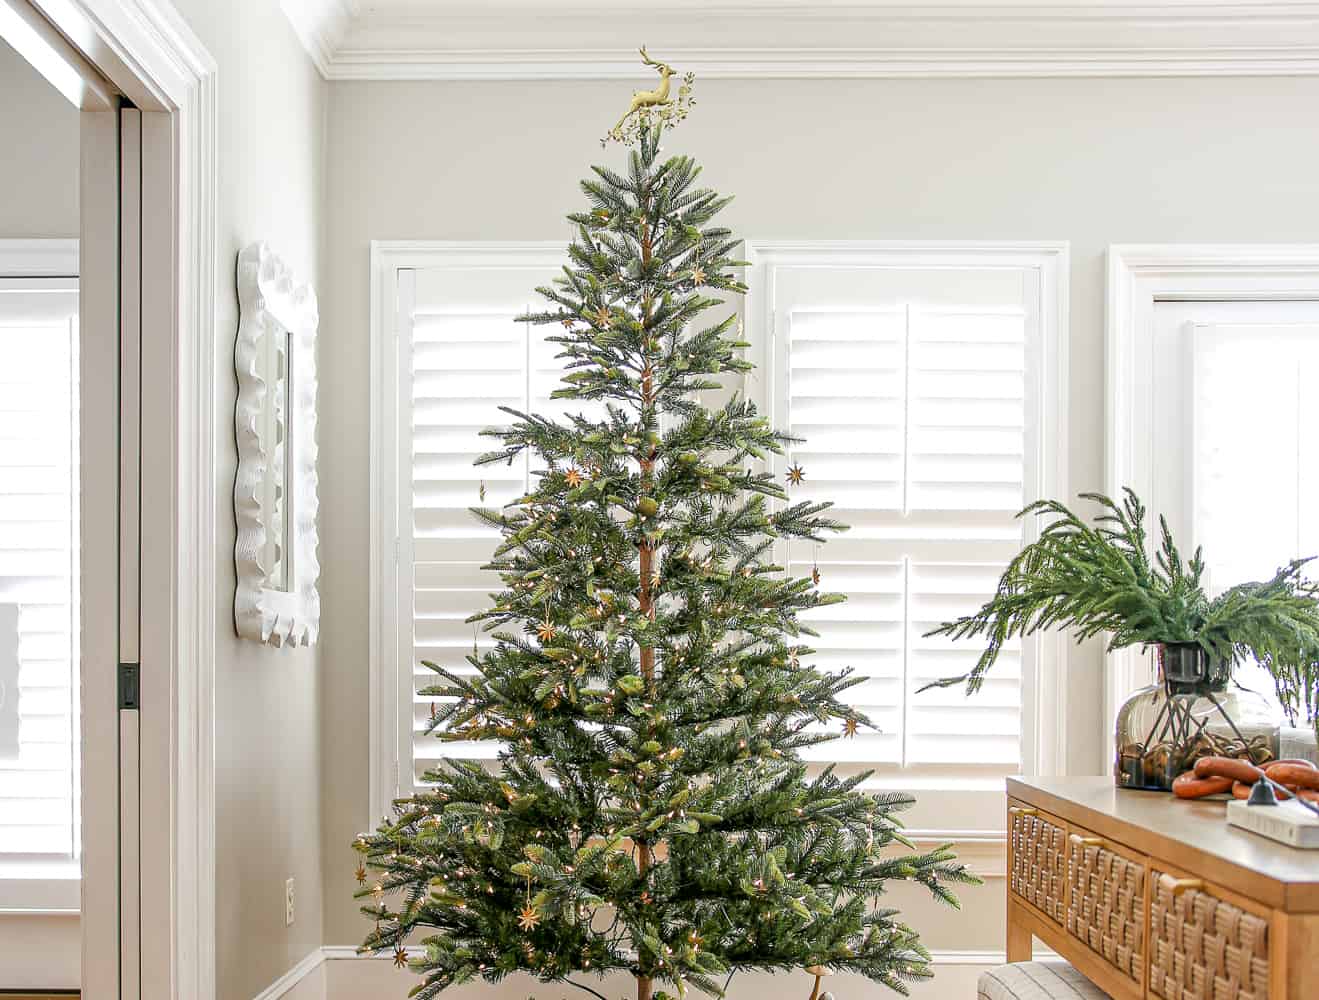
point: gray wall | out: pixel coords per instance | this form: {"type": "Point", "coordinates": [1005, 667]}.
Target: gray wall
{"type": "Point", "coordinates": [1090, 161]}
{"type": "Point", "coordinates": [267, 701]}
{"type": "Point", "coordinates": [39, 165]}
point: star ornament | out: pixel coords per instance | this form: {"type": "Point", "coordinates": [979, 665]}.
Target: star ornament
{"type": "Point", "coordinates": [603, 317]}
{"type": "Point", "coordinates": [360, 874]}
{"type": "Point", "coordinates": [698, 275]}
{"type": "Point", "coordinates": [546, 631]}
{"type": "Point", "coordinates": [796, 474]}
{"type": "Point", "coordinates": [528, 918]}
{"type": "Point", "coordinates": [815, 575]}
{"type": "Point", "coordinates": [850, 728]}
{"type": "Point", "coordinates": [573, 478]}
{"type": "Point", "coordinates": [400, 957]}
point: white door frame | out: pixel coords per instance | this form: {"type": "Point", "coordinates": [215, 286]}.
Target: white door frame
{"type": "Point", "coordinates": [1139, 275]}
{"type": "Point", "coordinates": [145, 51]}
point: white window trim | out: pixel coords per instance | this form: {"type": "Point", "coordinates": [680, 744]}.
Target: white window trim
{"type": "Point", "coordinates": [390, 731]}
{"type": "Point", "coordinates": [1139, 275]}
{"type": "Point", "coordinates": [1044, 692]}
{"type": "Point", "coordinates": [45, 887]}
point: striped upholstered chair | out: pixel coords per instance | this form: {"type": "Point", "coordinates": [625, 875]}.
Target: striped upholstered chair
{"type": "Point", "coordinates": [1055, 980]}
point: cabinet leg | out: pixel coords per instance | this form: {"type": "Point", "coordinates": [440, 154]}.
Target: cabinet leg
{"type": "Point", "coordinates": [1020, 946]}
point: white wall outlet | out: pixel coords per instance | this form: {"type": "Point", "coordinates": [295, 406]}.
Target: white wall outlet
{"type": "Point", "coordinates": [288, 903]}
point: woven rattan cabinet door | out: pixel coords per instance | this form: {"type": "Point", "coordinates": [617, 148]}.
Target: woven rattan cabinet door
{"type": "Point", "coordinates": [1205, 947]}
{"type": "Point", "coordinates": [1038, 860]}
{"type": "Point", "coordinates": [1106, 902]}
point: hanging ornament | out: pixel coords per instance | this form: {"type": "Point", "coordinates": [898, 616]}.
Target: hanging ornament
{"type": "Point", "coordinates": [850, 727]}
{"type": "Point", "coordinates": [546, 631]}
{"type": "Point", "coordinates": [528, 918]}
{"type": "Point", "coordinates": [698, 275]}
{"type": "Point", "coordinates": [400, 957]}
{"type": "Point", "coordinates": [360, 873]}
{"type": "Point", "coordinates": [796, 474]}
{"type": "Point", "coordinates": [567, 321]}
{"type": "Point", "coordinates": [573, 478]}
{"type": "Point", "coordinates": [603, 317]}
{"type": "Point", "coordinates": [481, 491]}
{"type": "Point", "coordinates": [815, 567]}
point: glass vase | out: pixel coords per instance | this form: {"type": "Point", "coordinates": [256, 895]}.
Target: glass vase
{"type": "Point", "coordinates": [1189, 713]}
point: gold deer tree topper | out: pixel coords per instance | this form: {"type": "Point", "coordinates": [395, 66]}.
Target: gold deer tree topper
{"type": "Point", "coordinates": [651, 107]}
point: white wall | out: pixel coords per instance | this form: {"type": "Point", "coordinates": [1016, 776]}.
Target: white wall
{"type": "Point", "coordinates": [267, 703]}
{"type": "Point", "coordinates": [38, 200]}
{"type": "Point", "coordinates": [1090, 161]}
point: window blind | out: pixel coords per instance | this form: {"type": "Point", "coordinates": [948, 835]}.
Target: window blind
{"type": "Point", "coordinates": [38, 578]}
{"type": "Point", "coordinates": [466, 356]}
{"type": "Point", "coordinates": [912, 398]}
{"type": "Point", "coordinates": [912, 415]}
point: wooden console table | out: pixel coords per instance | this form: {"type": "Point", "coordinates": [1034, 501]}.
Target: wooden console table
{"type": "Point", "coordinates": [1152, 897]}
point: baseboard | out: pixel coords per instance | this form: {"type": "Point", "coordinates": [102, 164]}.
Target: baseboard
{"type": "Point", "coordinates": [349, 953]}
{"type": "Point", "coordinates": [295, 975]}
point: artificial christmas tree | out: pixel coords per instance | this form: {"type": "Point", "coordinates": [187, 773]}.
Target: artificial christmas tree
{"type": "Point", "coordinates": [649, 813]}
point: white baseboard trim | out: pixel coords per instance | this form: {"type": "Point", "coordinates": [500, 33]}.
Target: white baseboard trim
{"type": "Point", "coordinates": [347, 952]}
{"type": "Point", "coordinates": [295, 975]}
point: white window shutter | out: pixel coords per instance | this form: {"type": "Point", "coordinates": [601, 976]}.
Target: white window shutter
{"type": "Point", "coordinates": [38, 580]}
{"type": "Point", "coordinates": [913, 424]}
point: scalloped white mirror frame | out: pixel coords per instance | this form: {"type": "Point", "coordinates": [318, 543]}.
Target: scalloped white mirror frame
{"type": "Point", "coordinates": [270, 300]}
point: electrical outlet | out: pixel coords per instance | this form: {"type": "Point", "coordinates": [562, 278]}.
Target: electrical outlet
{"type": "Point", "coordinates": [288, 903]}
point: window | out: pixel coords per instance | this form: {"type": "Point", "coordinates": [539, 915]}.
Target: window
{"type": "Point", "coordinates": [458, 356]}
{"type": "Point", "coordinates": [39, 822]}
{"type": "Point", "coordinates": [924, 382]}
{"type": "Point", "coordinates": [1235, 382]}
{"type": "Point", "coordinates": [1210, 350]}
{"type": "Point", "coordinates": [919, 383]}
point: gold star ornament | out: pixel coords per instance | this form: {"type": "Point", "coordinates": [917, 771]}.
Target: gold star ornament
{"type": "Point", "coordinates": [603, 317]}
{"type": "Point", "coordinates": [698, 275]}
{"type": "Point", "coordinates": [573, 478]}
{"type": "Point", "coordinates": [528, 918]}
{"type": "Point", "coordinates": [360, 873]}
{"type": "Point", "coordinates": [796, 474]}
{"type": "Point", "coordinates": [400, 957]}
{"type": "Point", "coordinates": [850, 728]}
{"type": "Point", "coordinates": [815, 575]}
{"type": "Point", "coordinates": [546, 631]}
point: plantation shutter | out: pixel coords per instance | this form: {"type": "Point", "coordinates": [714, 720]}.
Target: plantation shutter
{"type": "Point", "coordinates": [38, 589]}
{"type": "Point", "coordinates": [465, 356]}
{"type": "Point", "coordinates": [909, 389]}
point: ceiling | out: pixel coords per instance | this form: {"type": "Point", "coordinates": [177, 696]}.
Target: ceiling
{"type": "Point", "coordinates": [592, 39]}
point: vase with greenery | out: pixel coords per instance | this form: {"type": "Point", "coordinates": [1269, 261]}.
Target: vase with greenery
{"type": "Point", "coordinates": [1098, 578]}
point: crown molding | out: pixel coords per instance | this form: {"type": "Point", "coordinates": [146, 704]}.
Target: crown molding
{"type": "Point", "coordinates": [321, 26]}
{"type": "Point", "coordinates": [749, 39]}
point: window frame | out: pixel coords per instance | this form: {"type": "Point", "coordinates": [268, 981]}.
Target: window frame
{"type": "Point", "coordinates": [1044, 708]}
{"type": "Point", "coordinates": [55, 886]}
{"type": "Point", "coordinates": [1139, 276]}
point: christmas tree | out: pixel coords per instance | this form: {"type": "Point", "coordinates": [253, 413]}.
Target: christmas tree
{"type": "Point", "coordinates": [649, 688]}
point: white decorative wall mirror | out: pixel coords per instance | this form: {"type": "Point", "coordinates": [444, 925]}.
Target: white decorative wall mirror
{"type": "Point", "coordinates": [275, 422]}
